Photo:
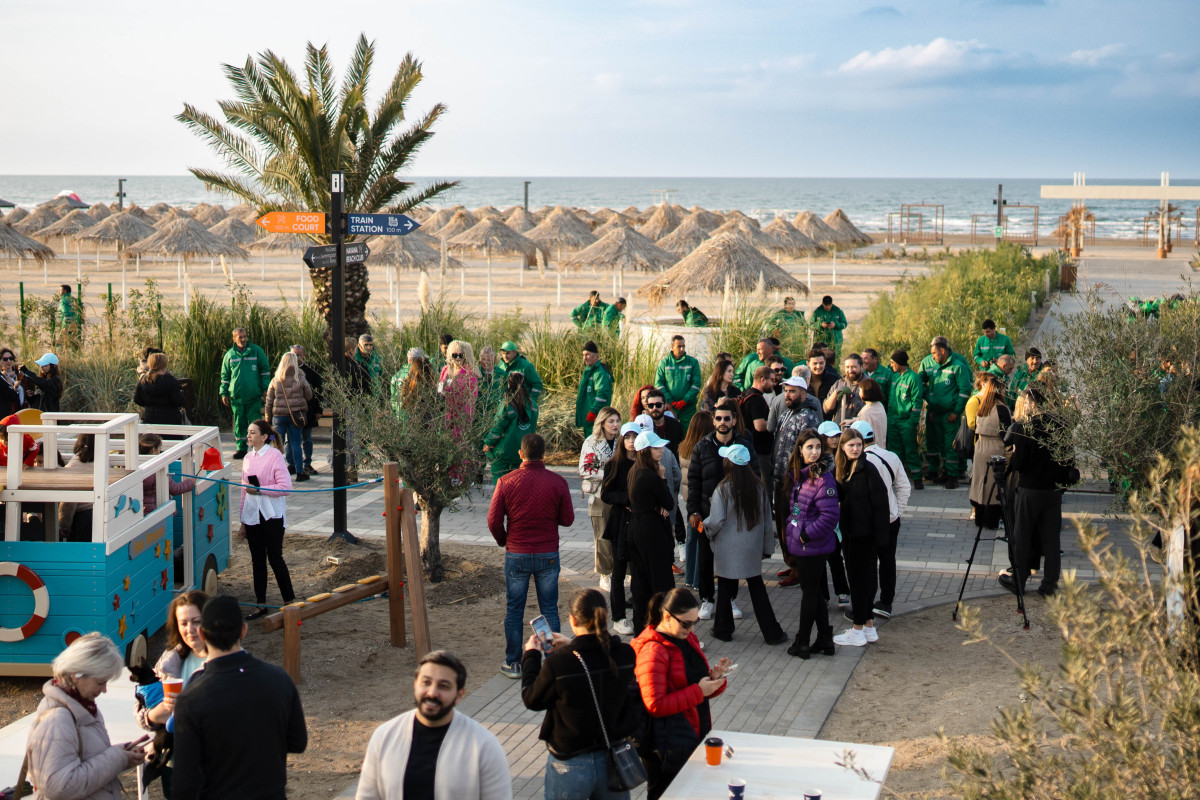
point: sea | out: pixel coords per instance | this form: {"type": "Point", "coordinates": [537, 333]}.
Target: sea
{"type": "Point", "coordinates": [869, 202]}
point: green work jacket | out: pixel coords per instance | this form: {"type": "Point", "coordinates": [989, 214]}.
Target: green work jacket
{"type": "Point", "coordinates": [679, 378]}
{"type": "Point", "coordinates": [594, 393]}
{"type": "Point", "coordinates": [990, 349]}
{"type": "Point", "coordinates": [883, 376]}
{"type": "Point", "coordinates": [523, 365]}
{"type": "Point", "coordinates": [948, 385]}
{"type": "Point", "coordinates": [1021, 379]}
{"type": "Point", "coordinates": [613, 317]}
{"type": "Point", "coordinates": [695, 318]}
{"type": "Point", "coordinates": [586, 314]}
{"type": "Point", "coordinates": [506, 432]}
{"type": "Point", "coordinates": [820, 316]}
{"type": "Point", "coordinates": [905, 395]}
{"type": "Point", "coordinates": [245, 374]}
{"type": "Point", "coordinates": [374, 367]}
{"type": "Point", "coordinates": [786, 319]}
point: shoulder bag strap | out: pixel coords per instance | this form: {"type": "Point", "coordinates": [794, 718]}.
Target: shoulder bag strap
{"type": "Point", "coordinates": [587, 675]}
{"type": "Point", "coordinates": [881, 460]}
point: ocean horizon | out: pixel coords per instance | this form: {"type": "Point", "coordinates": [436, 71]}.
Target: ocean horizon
{"type": "Point", "coordinates": [867, 201]}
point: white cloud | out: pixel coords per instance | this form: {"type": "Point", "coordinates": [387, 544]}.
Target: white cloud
{"type": "Point", "coordinates": [940, 55]}
{"type": "Point", "coordinates": [609, 82]}
{"type": "Point", "coordinates": [1093, 58]}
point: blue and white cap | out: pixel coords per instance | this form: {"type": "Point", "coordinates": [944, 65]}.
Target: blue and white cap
{"type": "Point", "coordinates": [828, 428]}
{"type": "Point", "coordinates": [863, 427]}
{"type": "Point", "coordinates": [648, 439]}
{"type": "Point", "coordinates": [630, 427]}
{"type": "Point", "coordinates": [644, 422]}
{"type": "Point", "coordinates": [737, 453]}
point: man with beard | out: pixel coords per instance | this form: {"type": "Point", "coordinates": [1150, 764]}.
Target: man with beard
{"type": "Point", "coordinates": [844, 400]}
{"type": "Point", "coordinates": [796, 416]}
{"type": "Point", "coordinates": [947, 383]}
{"type": "Point", "coordinates": [678, 376]}
{"type": "Point", "coordinates": [877, 372]}
{"type": "Point", "coordinates": [823, 377]}
{"type": "Point", "coordinates": [668, 428]}
{"type": "Point", "coordinates": [404, 752]}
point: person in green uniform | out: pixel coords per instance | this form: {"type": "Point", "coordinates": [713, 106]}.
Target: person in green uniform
{"type": "Point", "coordinates": [678, 375]}
{"type": "Point", "coordinates": [512, 361]}
{"type": "Point", "coordinates": [991, 346]}
{"type": "Point", "coordinates": [788, 317]}
{"type": "Point", "coordinates": [595, 388]}
{"type": "Point", "coordinates": [743, 374]}
{"type": "Point", "coordinates": [947, 382]}
{"type": "Point", "coordinates": [370, 361]}
{"type": "Point", "coordinates": [1003, 368]}
{"type": "Point", "coordinates": [905, 398]}
{"type": "Point", "coordinates": [877, 372]}
{"type": "Point", "coordinates": [491, 382]}
{"type": "Point", "coordinates": [590, 313]}
{"type": "Point", "coordinates": [1025, 374]}
{"type": "Point", "coordinates": [777, 349]}
{"type": "Point", "coordinates": [614, 315]}
{"type": "Point", "coordinates": [515, 418]}
{"type": "Point", "coordinates": [414, 355]}
{"type": "Point", "coordinates": [245, 376]}
{"type": "Point", "coordinates": [828, 322]}
{"type": "Point", "coordinates": [692, 317]}
{"type": "Point", "coordinates": [70, 316]}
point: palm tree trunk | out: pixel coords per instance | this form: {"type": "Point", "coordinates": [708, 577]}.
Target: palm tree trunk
{"type": "Point", "coordinates": [357, 294]}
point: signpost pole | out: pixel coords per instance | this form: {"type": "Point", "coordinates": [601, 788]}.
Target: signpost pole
{"type": "Point", "coordinates": [337, 324]}
{"type": "Point", "coordinates": [999, 213]}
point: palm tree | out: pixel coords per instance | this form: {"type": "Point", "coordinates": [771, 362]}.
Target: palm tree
{"type": "Point", "coordinates": [281, 140]}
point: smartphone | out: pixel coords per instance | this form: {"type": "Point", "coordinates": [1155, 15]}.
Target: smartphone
{"type": "Point", "coordinates": [730, 671]}
{"type": "Point", "coordinates": [253, 480]}
{"type": "Point", "coordinates": [542, 629]}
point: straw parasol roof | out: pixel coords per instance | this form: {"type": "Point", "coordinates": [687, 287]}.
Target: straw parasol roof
{"type": "Point", "coordinates": [125, 229]}
{"type": "Point", "coordinates": [787, 239]}
{"type": "Point", "coordinates": [606, 215]}
{"type": "Point", "coordinates": [631, 212]}
{"type": "Point", "coordinates": [615, 223]}
{"type": "Point", "coordinates": [99, 212]}
{"type": "Point", "coordinates": [623, 248]}
{"type": "Point", "coordinates": [16, 215]}
{"type": "Point", "coordinates": [684, 239]}
{"type": "Point", "coordinates": [185, 237]}
{"type": "Point", "coordinates": [140, 213]}
{"type": "Point", "coordinates": [158, 209]}
{"type": "Point", "coordinates": [442, 216]}
{"type": "Point", "coordinates": [408, 252]}
{"type": "Point", "coordinates": [243, 211]}
{"type": "Point", "coordinates": [585, 216]}
{"type": "Point", "coordinates": [17, 245]}
{"type": "Point", "coordinates": [42, 217]}
{"type": "Point", "coordinates": [234, 231]}
{"type": "Point", "coordinates": [844, 228]}
{"type": "Point", "coordinates": [65, 202]}
{"type": "Point", "coordinates": [78, 220]}
{"type": "Point", "coordinates": [461, 222]}
{"type": "Point", "coordinates": [662, 221]}
{"type": "Point", "coordinates": [749, 232]}
{"type": "Point", "coordinates": [736, 215]}
{"type": "Point", "coordinates": [543, 212]}
{"type": "Point", "coordinates": [709, 220]}
{"type": "Point", "coordinates": [280, 243]}
{"type": "Point", "coordinates": [487, 211]}
{"type": "Point", "coordinates": [520, 220]}
{"type": "Point", "coordinates": [727, 259]}
{"type": "Point", "coordinates": [562, 230]}
{"type": "Point", "coordinates": [171, 215]}
{"type": "Point", "coordinates": [493, 237]}
{"type": "Point", "coordinates": [815, 228]}
{"type": "Point", "coordinates": [209, 215]}
{"type": "Point", "coordinates": [508, 211]}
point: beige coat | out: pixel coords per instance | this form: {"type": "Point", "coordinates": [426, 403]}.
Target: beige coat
{"type": "Point", "coordinates": [70, 755]}
{"type": "Point", "coordinates": [288, 398]}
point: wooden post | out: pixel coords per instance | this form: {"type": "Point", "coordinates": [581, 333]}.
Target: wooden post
{"type": "Point", "coordinates": [291, 643]}
{"type": "Point", "coordinates": [394, 557]}
{"type": "Point", "coordinates": [416, 580]}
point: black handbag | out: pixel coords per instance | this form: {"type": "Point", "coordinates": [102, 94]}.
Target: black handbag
{"type": "Point", "coordinates": [964, 440]}
{"type": "Point", "coordinates": [625, 769]}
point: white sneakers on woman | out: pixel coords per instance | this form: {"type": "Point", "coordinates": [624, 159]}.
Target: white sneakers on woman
{"type": "Point", "coordinates": [706, 610]}
{"type": "Point", "coordinates": [623, 627]}
{"type": "Point", "coordinates": [606, 583]}
{"type": "Point", "coordinates": [856, 637]}
{"type": "Point", "coordinates": [737, 612]}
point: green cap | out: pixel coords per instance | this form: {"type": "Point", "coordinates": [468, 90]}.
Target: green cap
{"type": "Point", "coordinates": [509, 346]}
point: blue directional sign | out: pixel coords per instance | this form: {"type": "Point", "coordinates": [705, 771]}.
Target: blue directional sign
{"type": "Point", "coordinates": [380, 224]}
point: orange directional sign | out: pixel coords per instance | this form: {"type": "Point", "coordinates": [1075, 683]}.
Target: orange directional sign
{"type": "Point", "coordinates": [293, 222]}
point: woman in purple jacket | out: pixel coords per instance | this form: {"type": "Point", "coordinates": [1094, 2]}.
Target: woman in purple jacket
{"type": "Point", "coordinates": [810, 534]}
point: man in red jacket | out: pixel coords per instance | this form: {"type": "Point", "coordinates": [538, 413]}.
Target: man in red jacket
{"type": "Point", "coordinates": [535, 502]}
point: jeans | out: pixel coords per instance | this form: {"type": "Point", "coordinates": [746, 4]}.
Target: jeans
{"type": "Point", "coordinates": [306, 445]}
{"type": "Point", "coordinates": [691, 554]}
{"type": "Point", "coordinates": [518, 569]}
{"type": "Point", "coordinates": [583, 777]}
{"type": "Point", "coordinates": [289, 432]}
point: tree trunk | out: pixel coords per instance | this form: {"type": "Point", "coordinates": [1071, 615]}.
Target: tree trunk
{"type": "Point", "coordinates": [357, 294]}
{"type": "Point", "coordinates": [431, 549]}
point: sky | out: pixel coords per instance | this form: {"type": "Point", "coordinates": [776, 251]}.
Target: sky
{"type": "Point", "coordinates": [806, 88]}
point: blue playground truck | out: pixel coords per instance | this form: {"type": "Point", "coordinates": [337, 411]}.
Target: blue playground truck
{"type": "Point", "coordinates": [121, 580]}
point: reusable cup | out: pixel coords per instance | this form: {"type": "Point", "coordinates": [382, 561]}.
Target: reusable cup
{"type": "Point", "coordinates": [737, 789]}
{"type": "Point", "coordinates": [712, 750]}
{"type": "Point", "coordinates": [172, 687]}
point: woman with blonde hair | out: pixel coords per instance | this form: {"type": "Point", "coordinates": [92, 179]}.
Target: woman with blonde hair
{"type": "Point", "coordinates": [287, 408]}
{"type": "Point", "coordinates": [989, 417]}
{"type": "Point", "coordinates": [459, 383]}
{"type": "Point", "coordinates": [69, 753]}
{"type": "Point", "coordinates": [596, 451]}
{"type": "Point", "coordinates": [159, 393]}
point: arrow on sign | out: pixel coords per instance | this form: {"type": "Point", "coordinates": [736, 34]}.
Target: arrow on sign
{"type": "Point", "coordinates": [325, 256]}
{"type": "Point", "coordinates": [292, 222]}
{"type": "Point", "coordinates": [380, 224]}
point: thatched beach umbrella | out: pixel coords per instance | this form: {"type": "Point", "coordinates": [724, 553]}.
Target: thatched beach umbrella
{"type": "Point", "coordinates": [42, 217]}
{"type": "Point", "coordinates": [494, 237]}
{"type": "Point", "coordinates": [158, 209]}
{"type": "Point", "coordinates": [484, 212]}
{"type": "Point", "coordinates": [684, 239]}
{"type": "Point", "coordinates": [645, 214]}
{"type": "Point", "coordinates": [664, 220]}
{"type": "Point", "coordinates": [171, 215]}
{"type": "Point", "coordinates": [788, 239]}
{"type": "Point", "coordinates": [562, 230]}
{"type": "Point", "coordinates": [815, 228]}
{"type": "Point", "coordinates": [461, 222]}
{"type": "Point", "coordinates": [621, 249]}
{"type": "Point", "coordinates": [408, 252]}
{"type": "Point", "coordinates": [725, 263]}
{"type": "Point", "coordinates": [280, 243]}
{"type": "Point", "coordinates": [210, 215]}
{"type": "Point", "coordinates": [185, 238]}
{"type": "Point", "coordinates": [16, 215]}
{"type": "Point", "coordinates": [243, 211]}
{"type": "Point", "coordinates": [736, 215]}
{"type": "Point", "coordinates": [520, 220]}
{"type": "Point", "coordinates": [122, 229]}
{"type": "Point", "coordinates": [141, 214]}
{"type": "Point", "coordinates": [631, 213]}
{"type": "Point", "coordinates": [845, 230]}
{"type": "Point", "coordinates": [749, 232]}
{"type": "Point", "coordinates": [99, 212]}
{"type": "Point", "coordinates": [17, 245]}
{"type": "Point", "coordinates": [709, 220]}
{"type": "Point", "coordinates": [614, 224]}
{"type": "Point", "coordinates": [439, 218]}
{"type": "Point", "coordinates": [234, 231]}
{"type": "Point", "coordinates": [78, 220]}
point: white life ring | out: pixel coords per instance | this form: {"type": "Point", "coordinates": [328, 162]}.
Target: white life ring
{"type": "Point", "coordinates": [41, 601]}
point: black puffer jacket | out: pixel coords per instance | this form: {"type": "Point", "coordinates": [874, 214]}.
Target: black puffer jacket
{"type": "Point", "coordinates": [42, 393]}
{"type": "Point", "coordinates": [706, 469]}
{"type": "Point", "coordinates": [162, 398]}
{"type": "Point", "coordinates": [864, 501]}
{"type": "Point", "coordinates": [615, 491]}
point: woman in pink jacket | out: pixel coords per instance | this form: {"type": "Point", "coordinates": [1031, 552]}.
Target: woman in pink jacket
{"type": "Point", "coordinates": [263, 511]}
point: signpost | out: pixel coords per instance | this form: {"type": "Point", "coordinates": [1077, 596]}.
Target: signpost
{"type": "Point", "coordinates": [293, 222]}
{"type": "Point", "coordinates": [380, 224]}
{"type": "Point", "coordinates": [325, 256]}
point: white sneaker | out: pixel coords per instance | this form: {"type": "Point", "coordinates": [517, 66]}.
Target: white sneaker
{"type": "Point", "coordinates": [851, 637]}
{"type": "Point", "coordinates": [706, 610]}
{"type": "Point", "coordinates": [737, 612]}
{"type": "Point", "coordinates": [871, 634]}
{"type": "Point", "coordinates": [606, 583]}
{"type": "Point", "coordinates": [623, 627]}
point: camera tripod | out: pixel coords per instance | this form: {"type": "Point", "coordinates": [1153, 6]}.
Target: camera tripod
{"type": "Point", "coordinates": [997, 465]}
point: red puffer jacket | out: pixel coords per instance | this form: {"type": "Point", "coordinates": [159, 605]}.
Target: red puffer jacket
{"type": "Point", "coordinates": [662, 680]}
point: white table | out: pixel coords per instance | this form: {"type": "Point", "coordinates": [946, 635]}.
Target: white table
{"type": "Point", "coordinates": [782, 767]}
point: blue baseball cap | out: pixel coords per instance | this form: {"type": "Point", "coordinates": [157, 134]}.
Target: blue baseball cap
{"type": "Point", "coordinates": [648, 439]}
{"type": "Point", "coordinates": [47, 359]}
{"type": "Point", "coordinates": [737, 453]}
{"type": "Point", "coordinates": [863, 427]}
{"type": "Point", "coordinates": [630, 427]}
{"type": "Point", "coordinates": [828, 428]}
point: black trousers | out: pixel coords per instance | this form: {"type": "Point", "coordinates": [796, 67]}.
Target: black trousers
{"type": "Point", "coordinates": [1038, 524]}
{"type": "Point", "coordinates": [861, 568]}
{"type": "Point", "coordinates": [887, 565]}
{"type": "Point", "coordinates": [813, 609]}
{"type": "Point", "coordinates": [837, 570]}
{"type": "Point", "coordinates": [727, 589]}
{"type": "Point", "coordinates": [266, 544]}
{"type": "Point", "coordinates": [650, 558]}
{"type": "Point", "coordinates": [616, 592]}
{"type": "Point", "coordinates": [704, 577]}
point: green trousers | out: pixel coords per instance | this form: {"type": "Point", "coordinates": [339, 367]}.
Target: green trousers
{"type": "Point", "coordinates": [501, 467]}
{"type": "Point", "coordinates": [902, 440]}
{"type": "Point", "coordinates": [940, 456]}
{"type": "Point", "coordinates": [244, 412]}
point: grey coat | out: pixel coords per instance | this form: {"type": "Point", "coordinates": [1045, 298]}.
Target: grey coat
{"type": "Point", "coordinates": [70, 755]}
{"type": "Point", "coordinates": [737, 550]}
